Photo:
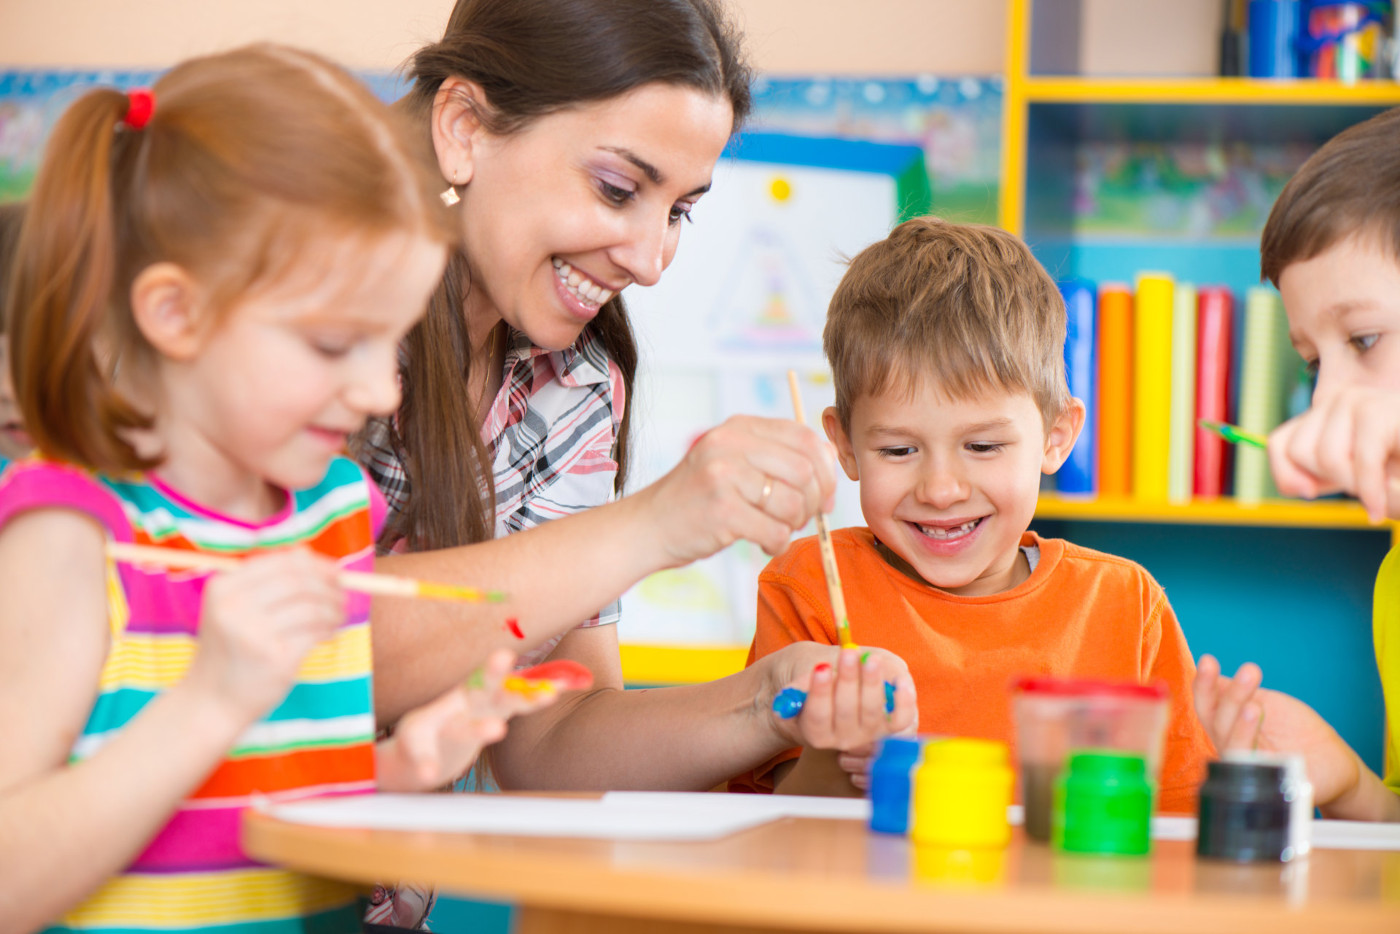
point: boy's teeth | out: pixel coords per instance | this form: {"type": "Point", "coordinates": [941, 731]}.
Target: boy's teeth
{"type": "Point", "coordinates": [933, 531]}
{"type": "Point", "coordinates": [584, 288]}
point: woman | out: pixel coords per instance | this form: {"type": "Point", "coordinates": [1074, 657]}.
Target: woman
{"type": "Point", "coordinates": [577, 135]}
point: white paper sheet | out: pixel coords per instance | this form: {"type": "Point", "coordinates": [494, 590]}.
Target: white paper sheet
{"type": "Point", "coordinates": [771, 807]}
{"type": "Point", "coordinates": [518, 815]}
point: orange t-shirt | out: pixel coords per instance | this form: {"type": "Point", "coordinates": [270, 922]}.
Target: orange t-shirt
{"type": "Point", "coordinates": [1081, 613]}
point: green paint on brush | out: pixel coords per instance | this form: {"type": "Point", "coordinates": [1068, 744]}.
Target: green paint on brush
{"type": "Point", "coordinates": [1233, 433]}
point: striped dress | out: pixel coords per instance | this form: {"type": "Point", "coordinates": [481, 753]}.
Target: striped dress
{"type": "Point", "coordinates": [319, 740]}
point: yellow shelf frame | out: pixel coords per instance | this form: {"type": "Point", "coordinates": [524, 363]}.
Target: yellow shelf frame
{"type": "Point", "coordinates": [1327, 514]}
{"type": "Point", "coordinates": [1310, 92]}
{"type": "Point", "coordinates": [680, 664]}
{"type": "Point", "coordinates": [1021, 89]}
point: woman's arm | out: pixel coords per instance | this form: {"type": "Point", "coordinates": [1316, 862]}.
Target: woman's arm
{"type": "Point", "coordinates": [687, 738]}
{"type": "Point", "coordinates": [694, 737]}
{"type": "Point", "coordinates": [565, 570]}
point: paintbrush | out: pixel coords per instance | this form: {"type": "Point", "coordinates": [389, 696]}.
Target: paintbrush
{"type": "Point", "coordinates": [385, 585]}
{"type": "Point", "coordinates": [833, 576]}
{"type": "Point", "coordinates": [1233, 433]}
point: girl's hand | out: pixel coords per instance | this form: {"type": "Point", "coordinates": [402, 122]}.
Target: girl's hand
{"type": "Point", "coordinates": [759, 479]}
{"type": "Point", "coordinates": [258, 622]}
{"type": "Point", "coordinates": [438, 742]}
{"type": "Point", "coordinates": [845, 707]}
{"type": "Point", "coordinates": [1348, 442]}
{"type": "Point", "coordinates": [1240, 715]}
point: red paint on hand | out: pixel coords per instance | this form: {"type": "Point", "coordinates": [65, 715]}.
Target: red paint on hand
{"type": "Point", "coordinates": [513, 627]}
{"type": "Point", "coordinates": [565, 674]}
{"type": "Point", "coordinates": [822, 667]}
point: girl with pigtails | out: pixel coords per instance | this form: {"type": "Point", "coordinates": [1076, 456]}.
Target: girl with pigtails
{"type": "Point", "coordinates": [209, 291]}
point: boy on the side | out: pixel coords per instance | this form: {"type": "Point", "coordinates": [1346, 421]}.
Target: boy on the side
{"type": "Point", "coordinates": [1332, 246]}
{"type": "Point", "coordinates": [946, 342]}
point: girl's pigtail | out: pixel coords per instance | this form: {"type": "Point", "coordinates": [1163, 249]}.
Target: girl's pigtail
{"type": "Point", "coordinates": [63, 293]}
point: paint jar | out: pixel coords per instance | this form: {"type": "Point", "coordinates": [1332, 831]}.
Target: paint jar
{"type": "Point", "coordinates": [1103, 805]}
{"type": "Point", "coordinates": [890, 784]}
{"type": "Point", "coordinates": [1246, 813]}
{"type": "Point", "coordinates": [1343, 40]}
{"type": "Point", "coordinates": [1057, 715]}
{"type": "Point", "coordinates": [962, 789]}
{"type": "Point", "coordinates": [1296, 788]}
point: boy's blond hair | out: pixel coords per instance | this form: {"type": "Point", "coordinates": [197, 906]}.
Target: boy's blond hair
{"type": "Point", "coordinates": [1350, 186]}
{"type": "Point", "coordinates": [965, 304]}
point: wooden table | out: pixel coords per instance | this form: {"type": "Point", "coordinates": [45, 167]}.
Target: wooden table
{"type": "Point", "coordinates": [833, 875]}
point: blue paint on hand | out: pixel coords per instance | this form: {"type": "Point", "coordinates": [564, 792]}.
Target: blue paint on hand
{"type": "Point", "coordinates": [788, 703]}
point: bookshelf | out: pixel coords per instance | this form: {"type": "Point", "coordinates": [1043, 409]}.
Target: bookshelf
{"type": "Point", "coordinates": [1284, 583]}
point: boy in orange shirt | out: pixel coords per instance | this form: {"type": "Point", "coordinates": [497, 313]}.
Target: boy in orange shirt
{"type": "Point", "coordinates": [946, 343]}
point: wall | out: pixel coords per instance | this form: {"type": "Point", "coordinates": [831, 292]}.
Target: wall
{"type": "Point", "coordinates": [882, 37]}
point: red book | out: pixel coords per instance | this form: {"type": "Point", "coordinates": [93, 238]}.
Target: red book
{"type": "Point", "coordinates": [1215, 326]}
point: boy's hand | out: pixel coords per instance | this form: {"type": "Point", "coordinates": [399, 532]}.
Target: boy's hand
{"type": "Point", "coordinates": [1240, 715]}
{"type": "Point", "coordinates": [1348, 442]}
{"type": "Point", "coordinates": [258, 622]}
{"type": "Point", "coordinates": [438, 742]}
{"type": "Point", "coordinates": [845, 707]}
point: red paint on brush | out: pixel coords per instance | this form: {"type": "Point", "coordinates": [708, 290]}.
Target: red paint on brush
{"type": "Point", "coordinates": [513, 627]}
{"type": "Point", "coordinates": [566, 674]}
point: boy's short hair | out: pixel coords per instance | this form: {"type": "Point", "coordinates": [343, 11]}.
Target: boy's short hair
{"type": "Point", "coordinates": [965, 304]}
{"type": "Point", "coordinates": [1350, 186]}
{"type": "Point", "coordinates": [11, 215]}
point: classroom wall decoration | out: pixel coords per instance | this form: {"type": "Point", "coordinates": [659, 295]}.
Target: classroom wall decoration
{"type": "Point", "coordinates": [32, 101]}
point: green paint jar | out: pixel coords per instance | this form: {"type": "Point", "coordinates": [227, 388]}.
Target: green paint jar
{"type": "Point", "coordinates": [1103, 804]}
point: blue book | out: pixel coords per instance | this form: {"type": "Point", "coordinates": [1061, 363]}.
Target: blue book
{"type": "Point", "coordinates": [1081, 363]}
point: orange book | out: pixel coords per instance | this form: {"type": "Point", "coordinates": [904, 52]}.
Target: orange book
{"type": "Point", "coordinates": [1115, 389]}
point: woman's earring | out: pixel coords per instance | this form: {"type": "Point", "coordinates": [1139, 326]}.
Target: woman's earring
{"type": "Point", "coordinates": [449, 196]}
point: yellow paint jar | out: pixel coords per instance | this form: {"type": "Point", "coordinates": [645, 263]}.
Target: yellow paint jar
{"type": "Point", "coordinates": [961, 792]}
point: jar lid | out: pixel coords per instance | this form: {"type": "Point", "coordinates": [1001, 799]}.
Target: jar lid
{"type": "Point", "coordinates": [1089, 687]}
{"type": "Point", "coordinates": [1107, 765]}
{"type": "Point", "coordinates": [966, 753]}
{"type": "Point", "coordinates": [899, 750]}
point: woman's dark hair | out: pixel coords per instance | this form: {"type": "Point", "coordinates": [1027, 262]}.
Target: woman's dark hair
{"type": "Point", "coordinates": [532, 58]}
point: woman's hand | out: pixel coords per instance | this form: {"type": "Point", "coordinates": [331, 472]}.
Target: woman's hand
{"type": "Point", "coordinates": [759, 479]}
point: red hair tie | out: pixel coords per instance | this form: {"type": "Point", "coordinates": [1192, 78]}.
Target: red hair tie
{"type": "Point", "coordinates": [139, 107]}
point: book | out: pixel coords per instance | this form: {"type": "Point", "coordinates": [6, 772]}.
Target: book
{"type": "Point", "coordinates": [1114, 397]}
{"type": "Point", "coordinates": [1077, 473]}
{"type": "Point", "coordinates": [1262, 389]}
{"type": "Point", "coordinates": [1152, 382]}
{"type": "Point", "coordinates": [1215, 331]}
{"type": "Point", "coordinates": [1182, 433]}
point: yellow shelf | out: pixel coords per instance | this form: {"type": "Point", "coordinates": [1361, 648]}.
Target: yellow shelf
{"type": "Point", "coordinates": [1273, 513]}
{"type": "Point", "coordinates": [680, 664]}
{"type": "Point", "coordinates": [1310, 91]}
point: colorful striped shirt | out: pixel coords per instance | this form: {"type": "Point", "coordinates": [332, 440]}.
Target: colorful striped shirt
{"type": "Point", "coordinates": [318, 741]}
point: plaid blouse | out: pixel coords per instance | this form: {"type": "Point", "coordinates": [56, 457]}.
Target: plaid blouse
{"type": "Point", "coordinates": [550, 433]}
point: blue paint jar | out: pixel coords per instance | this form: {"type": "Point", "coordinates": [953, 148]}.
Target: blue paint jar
{"type": "Point", "coordinates": [889, 784]}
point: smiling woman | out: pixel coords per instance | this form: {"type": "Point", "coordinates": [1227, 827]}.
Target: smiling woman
{"type": "Point", "coordinates": [574, 137]}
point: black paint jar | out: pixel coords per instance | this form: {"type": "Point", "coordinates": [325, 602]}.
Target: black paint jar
{"type": "Point", "coordinates": [1245, 812]}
